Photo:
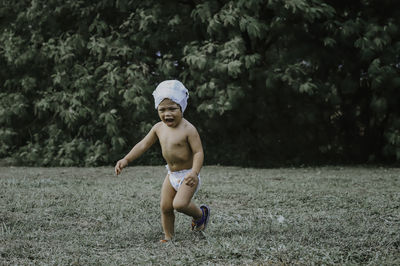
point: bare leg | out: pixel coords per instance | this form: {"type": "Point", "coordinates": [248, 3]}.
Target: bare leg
{"type": "Point", "coordinates": [183, 201]}
{"type": "Point", "coordinates": [167, 211]}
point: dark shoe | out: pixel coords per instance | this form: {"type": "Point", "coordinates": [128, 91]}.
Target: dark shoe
{"type": "Point", "coordinates": [201, 224]}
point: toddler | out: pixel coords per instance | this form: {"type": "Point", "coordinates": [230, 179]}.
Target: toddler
{"type": "Point", "coordinates": [182, 149]}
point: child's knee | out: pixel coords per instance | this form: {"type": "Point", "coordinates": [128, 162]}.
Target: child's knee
{"type": "Point", "coordinates": [180, 205]}
{"type": "Point", "coordinates": [166, 208]}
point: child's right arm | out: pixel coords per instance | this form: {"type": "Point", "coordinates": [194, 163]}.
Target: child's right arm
{"type": "Point", "coordinates": [137, 150]}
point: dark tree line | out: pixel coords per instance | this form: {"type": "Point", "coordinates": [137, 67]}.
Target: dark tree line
{"type": "Point", "coordinates": [271, 82]}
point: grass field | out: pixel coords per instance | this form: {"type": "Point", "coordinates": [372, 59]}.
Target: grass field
{"type": "Point", "coordinates": [84, 216]}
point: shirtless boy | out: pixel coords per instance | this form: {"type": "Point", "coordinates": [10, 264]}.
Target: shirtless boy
{"type": "Point", "coordinates": [182, 149]}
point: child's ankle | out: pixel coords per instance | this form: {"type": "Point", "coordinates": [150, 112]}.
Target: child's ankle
{"type": "Point", "coordinates": [200, 217]}
{"type": "Point", "coordinates": [168, 238]}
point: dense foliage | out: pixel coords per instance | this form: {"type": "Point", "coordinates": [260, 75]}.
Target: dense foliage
{"type": "Point", "coordinates": [271, 82]}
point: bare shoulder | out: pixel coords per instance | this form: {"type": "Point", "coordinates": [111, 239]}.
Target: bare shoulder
{"type": "Point", "coordinates": [157, 127]}
{"type": "Point", "coordinates": [189, 127]}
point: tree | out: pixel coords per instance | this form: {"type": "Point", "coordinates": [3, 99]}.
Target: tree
{"type": "Point", "coordinates": [271, 82]}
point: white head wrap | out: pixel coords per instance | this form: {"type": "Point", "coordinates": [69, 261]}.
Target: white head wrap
{"type": "Point", "coordinates": [173, 90]}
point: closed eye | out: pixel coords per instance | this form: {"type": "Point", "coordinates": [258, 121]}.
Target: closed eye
{"type": "Point", "coordinates": [161, 110]}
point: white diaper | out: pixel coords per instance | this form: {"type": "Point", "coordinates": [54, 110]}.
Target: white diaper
{"type": "Point", "coordinates": [176, 178]}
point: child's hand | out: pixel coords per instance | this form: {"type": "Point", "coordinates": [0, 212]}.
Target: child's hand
{"type": "Point", "coordinates": [191, 179]}
{"type": "Point", "coordinates": [120, 165]}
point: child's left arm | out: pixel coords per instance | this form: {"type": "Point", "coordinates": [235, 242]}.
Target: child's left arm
{"type": "Point", "coordinates": [198, 156]}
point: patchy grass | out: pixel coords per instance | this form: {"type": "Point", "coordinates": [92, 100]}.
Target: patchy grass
{"type": "Point", "coordinates": [85, 216]}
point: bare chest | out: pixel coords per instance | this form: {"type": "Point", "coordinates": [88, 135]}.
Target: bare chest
{"type": "Point", "coordinates": [173, 140]}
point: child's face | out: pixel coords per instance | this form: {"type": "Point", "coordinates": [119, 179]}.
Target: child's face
{"type": "Point", "coordinates": [170, 113]}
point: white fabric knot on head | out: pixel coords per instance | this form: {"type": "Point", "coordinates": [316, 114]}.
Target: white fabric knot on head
{"type": "Point", "coordinates": [173, 90]}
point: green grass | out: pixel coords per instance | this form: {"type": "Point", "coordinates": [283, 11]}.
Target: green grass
{"type": "Point", "coordinates": [84, 216]}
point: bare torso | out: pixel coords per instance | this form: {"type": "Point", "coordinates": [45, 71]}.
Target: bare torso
{"type": "Point", "coordinates": [175, 146]}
